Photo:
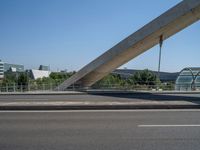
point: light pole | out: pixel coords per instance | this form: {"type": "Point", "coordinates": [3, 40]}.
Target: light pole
{"type": "Point", "coordinates": [160, 55]}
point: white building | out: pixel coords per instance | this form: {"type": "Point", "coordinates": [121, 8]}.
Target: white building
{"type": "Point", "coordinates": [36, 74]}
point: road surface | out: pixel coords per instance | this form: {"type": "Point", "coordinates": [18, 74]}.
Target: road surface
{"type": "Point", "coordinates": [130, 97]}
{"type": "Point", "coordinates": [97, 130]}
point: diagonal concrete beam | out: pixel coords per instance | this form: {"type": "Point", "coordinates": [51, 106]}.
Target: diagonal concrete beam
{"type": "Point", "coordinates": [168, 24]}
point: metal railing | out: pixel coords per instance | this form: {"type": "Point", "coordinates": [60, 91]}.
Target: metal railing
{"type": "Point", "coordinates": [13, 87]}
{"type": "Point", "coordinates": [137, 87]}
{"type": "Point", "coordinates": [28, 87]}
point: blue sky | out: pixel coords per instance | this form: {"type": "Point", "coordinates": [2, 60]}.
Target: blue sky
{"type": "Point", "coordinates": [68, 34]}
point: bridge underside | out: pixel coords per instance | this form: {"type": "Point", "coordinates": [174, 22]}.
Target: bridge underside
{"type": "Point", "coordinates": [166, 25]}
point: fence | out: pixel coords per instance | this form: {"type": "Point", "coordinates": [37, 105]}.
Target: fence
{"type": "Point", "coordinates": [29, 87]}
{"type": "Point", "coordinates": [13, 87]}
{"type": "Point", "coordinates": [138, 87]}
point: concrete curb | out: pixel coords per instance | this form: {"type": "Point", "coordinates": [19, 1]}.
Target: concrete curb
{"type": "Point", "coordinates": [47, 93]}
{"type": "Point", "coordinates": [100, 92]}
{"type": "Point", "coordinates": [76, 92]}
{"type": "Point", "coordinates": [98, 107]}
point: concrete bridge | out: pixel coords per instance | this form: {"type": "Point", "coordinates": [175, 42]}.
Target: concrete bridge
{"type": "Point", "coordinates": [164, 26]}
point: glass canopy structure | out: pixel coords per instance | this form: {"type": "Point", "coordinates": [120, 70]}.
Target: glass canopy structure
{"type": "Point", "coordinates": [188, 80]}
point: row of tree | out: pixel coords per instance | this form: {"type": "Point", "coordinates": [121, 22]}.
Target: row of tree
{"type": "Point", "coordinates": [144, 77]}
{"type": "Point", "coordinates": [24, 78]}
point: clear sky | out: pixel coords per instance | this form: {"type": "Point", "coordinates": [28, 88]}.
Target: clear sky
{"type": "Point", "coordinates": [68, 34]}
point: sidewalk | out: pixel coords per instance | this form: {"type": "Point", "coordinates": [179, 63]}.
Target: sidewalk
{"type": "Point", "coordinates": [95, 92]}
{"type": "Point", "coordinates": [44, 93]}
{"type": "Point", "coordinates": [83, 101]}
{"type": "Point", "coordinates": [98, 106]}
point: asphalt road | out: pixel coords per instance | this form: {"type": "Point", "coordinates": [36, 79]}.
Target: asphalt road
{"type": "Point", "coordinates": [100, 130]}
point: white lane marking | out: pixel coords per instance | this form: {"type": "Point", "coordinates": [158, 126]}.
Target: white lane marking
{"type": "Point", "coordinates": [22, 99]}
{"type": "Point", "coordinates": [177, 125]}
{"type": "Point", "coordinates": [100, 111]}
{"type": "Point", "coordinates": [29, 99]}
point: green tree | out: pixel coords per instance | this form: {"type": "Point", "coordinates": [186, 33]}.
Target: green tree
{"type": "Point", "coordinates": [60, 76]}
{"type": "Point", "coordinates": [144, 77]}
{"type": "Point", "coordinates": [110, 81]}
{"type": "Point", "coordinates": [23, 79]}
{"type": "Point", "coordinates": [9, 79]}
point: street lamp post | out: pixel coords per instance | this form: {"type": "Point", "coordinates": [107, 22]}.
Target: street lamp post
{"type": "Point", "coordinates": [160, 55]}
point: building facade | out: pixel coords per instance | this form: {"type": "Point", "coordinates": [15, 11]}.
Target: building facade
{"type": "Point", "coordinates": [1, 69]}
{"type": "Point", "coordinates": [13, 68]}
{"type": "Point", "coordinates": [38, 74]}
{"type": "Point", "coordinates": [44, 68]}
{"type": "Point", "coordinates": [188, 80]}
{"type": "Point", "coordinates": [6, 68]}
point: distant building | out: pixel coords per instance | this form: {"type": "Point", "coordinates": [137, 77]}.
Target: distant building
{"type": "Point", "coordinates": [6, 68]}
{"type": "Point", "coordinates": [36, 74]}
{"type": "Point", "coordinates": [1, 69]}
{"type": "Point", "coordinates": [164, 76]}
{"type": "Point", "coordinates": [188, 79]}
{"type": "Point", "coordinates": [42, 72]}
{"type": "Point", "coordinates": [45, 68]}
{"type": "Point", "coordinates": [13, 67]}
{"type": "Point", "coordinates": [64, 71]}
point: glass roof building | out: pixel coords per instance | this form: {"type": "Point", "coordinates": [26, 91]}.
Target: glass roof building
{"type": "Point", "coordinates": [188, 80]}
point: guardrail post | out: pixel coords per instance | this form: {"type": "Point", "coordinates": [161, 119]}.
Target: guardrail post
{"type": "Point", "coordinates": [21, 87]}
{"type": "Point", "coordinates": [6, 87]}
{"type": "Point", "coordinates": [28, 87]}
{"type": "Point", "coordinates": [51, 87]}
{"type": "Point", "coordinates": [58, 88]}
{"type": "Point", "coordinates": [14, 89]}
{"type": "Point", "coordinates": [43, 87]}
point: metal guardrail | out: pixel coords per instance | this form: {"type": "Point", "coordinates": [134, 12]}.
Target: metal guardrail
{"type": "Point", "coordinates": [138, 87]}
{"type": "Point", "coordinates": [52, 87]}
{"type": "Point", "coordinates": [28, 87]}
